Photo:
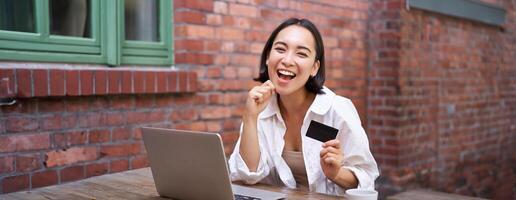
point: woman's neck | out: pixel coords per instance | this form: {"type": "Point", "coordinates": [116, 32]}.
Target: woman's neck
{"type": "Point", "coordinates": [295, 104]}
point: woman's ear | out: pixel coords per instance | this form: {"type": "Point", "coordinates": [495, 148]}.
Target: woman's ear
{"type": "Point", "coordinates": [315, 68]}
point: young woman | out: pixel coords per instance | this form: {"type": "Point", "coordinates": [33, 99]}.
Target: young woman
{"type": "Point", "coordinates": [273, 147]}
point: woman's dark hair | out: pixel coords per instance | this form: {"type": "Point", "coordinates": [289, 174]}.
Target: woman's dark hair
{"type": "Point", "coordinates": [314, 83]}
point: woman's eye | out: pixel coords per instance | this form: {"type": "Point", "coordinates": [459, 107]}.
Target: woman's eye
{"type": "Point", "coordinates": [279, 49]}
{"type": "Point", "coordinates": [303, 55]}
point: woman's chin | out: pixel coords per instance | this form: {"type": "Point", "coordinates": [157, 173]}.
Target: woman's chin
{"type": "Point", "coordinates": [282, 91]}
{"type": "Point", "coordinates": [282, 87]}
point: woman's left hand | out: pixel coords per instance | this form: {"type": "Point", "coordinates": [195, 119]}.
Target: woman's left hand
{"type": "Point", "coordinates": [331, 158]}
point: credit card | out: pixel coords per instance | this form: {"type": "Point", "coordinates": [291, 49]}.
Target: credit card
{"type": "Point", "coordinates": [321, 132]}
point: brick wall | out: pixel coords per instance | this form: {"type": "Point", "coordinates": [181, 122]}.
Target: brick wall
{"type": "Point", "coordinates": [222, 41]}
{"type": "Point", "coordinates": [442, 101]}
{"type": "Point", "coordinates": [60, 131]}
{"type": "Point", "coordinates": [74, 123]}
{"type": "Point", "coordinates": [383, 115]}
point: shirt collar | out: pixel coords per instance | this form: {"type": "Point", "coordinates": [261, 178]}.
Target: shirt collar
{"type": "Point", "coordinates": [322, 102]}
{"type": "Point", "coordinates": [320, 106]}
{"type": "Point", "coordinates": [271, 109]}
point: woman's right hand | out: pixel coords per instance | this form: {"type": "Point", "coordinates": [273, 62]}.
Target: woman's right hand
{"type": "Point", "coordinates": [258, 98]}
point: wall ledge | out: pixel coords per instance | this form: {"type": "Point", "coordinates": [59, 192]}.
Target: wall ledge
{"type": "Point", "coordinates": [29, 82]}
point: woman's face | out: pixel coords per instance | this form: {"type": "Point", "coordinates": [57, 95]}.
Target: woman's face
{"type": "Point", "coordinates": [291, 60]}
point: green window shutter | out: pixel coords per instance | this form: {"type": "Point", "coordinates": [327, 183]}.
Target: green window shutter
{"type": "Point", "coordinates": [105, 43]}
{"type": "Point", "coordinates": [42, 46]}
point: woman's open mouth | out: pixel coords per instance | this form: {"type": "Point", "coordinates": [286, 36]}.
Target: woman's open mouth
{"type": "Point", "coordinates": [285, 75]}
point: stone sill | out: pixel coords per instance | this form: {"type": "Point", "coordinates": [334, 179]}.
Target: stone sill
{"type": "Point", "coordinates": [29, 82]}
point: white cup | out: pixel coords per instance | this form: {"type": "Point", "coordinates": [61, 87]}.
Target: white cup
{"type": "Point", "coordinates": [361, 194]}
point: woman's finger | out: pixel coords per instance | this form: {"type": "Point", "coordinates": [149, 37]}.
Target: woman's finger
{"type": "Point", "coordinates": [256, 96]}
{"type": "Point", "coordinates": [329, 160]}
{"type": "Point", "coordinates": [264, 90]}
{"type": "Point", "coordinates": [327, 151]}
{"type": "Point", "coordinates": [334, 143]}
{"type": "Point", "coordinates": [332, 161]}
{"type": "Point", "coordinates": [330, 149]}
{"type": "Point", "coordinates": [331, 156]}
{"type": "Point", "coordinates": [269, 84]}
{"type": "Point", "coordinates": [323, 152]}
{"type": "Point", "coordinates": [333, 150]}
{"type": "Point", "coordinates": [327, 154]}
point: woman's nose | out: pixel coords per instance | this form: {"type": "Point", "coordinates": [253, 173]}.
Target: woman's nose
{"type": "Point", "coordinates": [288, 60]}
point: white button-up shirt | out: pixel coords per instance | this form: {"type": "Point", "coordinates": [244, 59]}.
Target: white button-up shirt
{"type": "Point", "coordinates": [329, 109]}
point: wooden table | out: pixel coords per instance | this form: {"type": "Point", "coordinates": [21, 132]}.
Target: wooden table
{"type": "Point", "coordinates": [133, 184]}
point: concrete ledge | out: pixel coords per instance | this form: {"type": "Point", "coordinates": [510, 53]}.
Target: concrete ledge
{"type": "Point", "coordinates": [429, 195]}
{"type": "Point", "coordinates": [26, 82]}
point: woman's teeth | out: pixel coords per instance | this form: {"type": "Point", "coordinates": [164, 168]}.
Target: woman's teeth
{"type": "Point", "coordinates": [284, 74]}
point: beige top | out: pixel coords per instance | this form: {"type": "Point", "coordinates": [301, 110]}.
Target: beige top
{"type": "Point", "coordinates": [296, 163]}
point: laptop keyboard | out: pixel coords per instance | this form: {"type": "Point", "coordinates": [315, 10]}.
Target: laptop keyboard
{"type": "Point", "coordinates": [242, 197]}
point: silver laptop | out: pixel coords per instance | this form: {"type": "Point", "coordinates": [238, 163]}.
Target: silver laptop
{"type": "Point", "coordinates": [192, 165]}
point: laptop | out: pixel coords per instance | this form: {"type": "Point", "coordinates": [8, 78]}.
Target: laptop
{"type": "Point", "coordinates": [192, 165]}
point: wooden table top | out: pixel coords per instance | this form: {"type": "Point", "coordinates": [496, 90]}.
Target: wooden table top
{"type": "Point", "coordinates": [133, 184]}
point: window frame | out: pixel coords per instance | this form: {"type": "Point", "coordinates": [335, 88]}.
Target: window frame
{"type": "Point", "coordinates": [41, 46]}
{"type": "Point", "coordinates": [105, 46]}
{"type": "Point", "coordinates": [142, 52]}
{"type": "Point", "coordinates": [474, 10]}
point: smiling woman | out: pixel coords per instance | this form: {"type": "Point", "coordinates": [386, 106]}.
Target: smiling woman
{"type": "Point", "coordinates": [294, 46]}
{"type": "Point", "coordinates": [310, 47]}
{"type": "Point", "coordinates": [273, 147]}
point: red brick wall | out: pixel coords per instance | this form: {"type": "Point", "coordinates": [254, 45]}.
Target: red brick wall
{"type": "Point", "coordinates": [64, 131]}
{"type": "Point", "coordinates": [83, 122]}
{"type": "Point", "coordinates": [442, 101]}
{"type": "Point", "coordinates": [383, 115]}
{"type": "Point", "coordinates": [222, 42]}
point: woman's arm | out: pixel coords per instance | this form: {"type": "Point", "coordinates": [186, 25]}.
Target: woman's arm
{"type": "Point", "coordinates": [249, 147]}
{"type": "Point", "coordinates": [345, 178]}
{"type": "Point", "coordinates": [331, 163]}
{"type": "Point", "coordinates": [257, 100]}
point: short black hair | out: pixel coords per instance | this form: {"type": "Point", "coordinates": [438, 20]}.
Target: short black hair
{"type": "Point", "coordinates": [314, 83]}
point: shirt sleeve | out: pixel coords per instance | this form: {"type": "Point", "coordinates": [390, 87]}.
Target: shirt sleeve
{"type": "Point", "coordinates": [355, 145]}
{"type": "Point", "coordinates": [239, 169]}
